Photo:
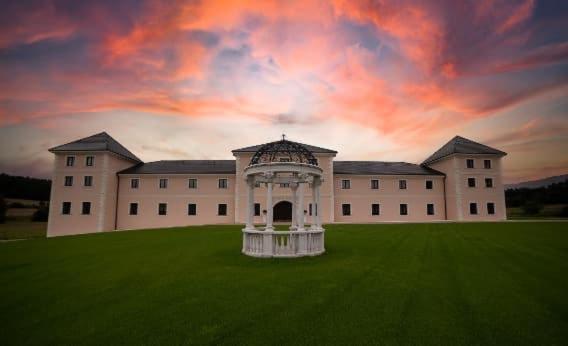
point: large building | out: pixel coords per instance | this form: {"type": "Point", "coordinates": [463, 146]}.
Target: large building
{"type": "Point", "coordinates": [99, 185]}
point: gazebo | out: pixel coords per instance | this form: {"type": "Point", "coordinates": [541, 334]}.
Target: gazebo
{"type": "Point", "coordinates": [289, 164]}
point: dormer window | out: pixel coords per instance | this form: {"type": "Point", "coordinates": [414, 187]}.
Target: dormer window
{"type": "Point", "coordinates": [70, 161]}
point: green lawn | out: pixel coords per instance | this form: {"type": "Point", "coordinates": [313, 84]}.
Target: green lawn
{"type": "Point", "coordinates": [443, 284]}
{"type": "Point", "coordinates": [20, 227]}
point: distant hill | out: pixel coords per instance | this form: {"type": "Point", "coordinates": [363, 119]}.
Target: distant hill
{"type": "Point", "coordinates": [533, 184]}
{"type": "Point", "coordinates": [24, 187]}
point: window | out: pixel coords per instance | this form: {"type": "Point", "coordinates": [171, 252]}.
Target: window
{"type": "Point", "coordinates": [402, 184]}
{"type": "Point", "coordinates": [68, 180]}
{"type": "Point", "coordinates": [469, 163]}
{"type": "Point", "coordinates": [70, 161]}
{"type": "Point", "coordinates": [429, 184]}
{"type": "Point", "coordinates": [192, 209]}
{"type": "Point", "coordinates": [488, 182]}
{"type": "Point", "coordinates": [404, 209]}
{"type": "Point", "coordinates": [487, 164]}
{"type": "Point", "coordinates": [284, 159]}
{"type": "Point", "coordinates": [345, 184]}
{"type": "Point", "coordinates": [88, 180]}
{"type": "Point", "coordinates": [284, 185]}
{"type": "Point", "coordinates": [473, 208]}
{"type": "Point", "coordinates": [375, 209]}
{"type": "Point", "coordinates": [375, 184]}
{"type": "Point", "coordinates": [89, 161]}
{"type": "Point", "coordinates": [257, 209]}
{"type": "Point", "coordinates": [430, 209]}
{"type": "Point", "coordinates": [346, 209]}
{"type": "Point", "coordinates": [163, 183]}
{"type": "Point", "coordinates": [471, 182]}
{"type": "Point", "coordinates": [222, 209]}
{"type": "Point", "coordinates": [133, 208]}
{"type": "Point", "coordinates": [66, 208]}
{"type": "Point", "coordinates": [192, 183]}
{"type": "Point", "coordinates": [134, 183]}
{"type": "Point", "coordinates": [223, 183]}
{"type": "Point", "coordinates": [491, 208]}
{"type": "Point", "coordinates": [162, 209]}
{"type": "Point", "coordinates": [86, 208]}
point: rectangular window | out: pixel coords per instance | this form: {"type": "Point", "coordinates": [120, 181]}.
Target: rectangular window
{"type": "Point", "coordinates": [133, 209]}
{"type": "Point", "coordinates": [430, 209]}
{"type": "Point", "coordinates": [88, 180]}
{"type": "Point", "coordinates": [402, 184]}
{"type": "Point", "coordinates": [487, 164]}
{"type": "Point", "coordinates": [89, 161]}
{"type": "Point", "coordinates": [257, 209]}
{"type": "Point", "coordinates": [192, 209]}
{"type": "Point", "coordinates": [192, 183]}
{"type": "Point", "coordinates": [223, 183]}
{"type": "Point", "coordinates": [345, 184]}
{"type": "Point", "coordinates": [68, 180]}
{"type": "Point", "coordinates": [471, 182]}
{"type": "Point", "coordinates": [86, 208]}
{"type": "Point", "coordinates": [346, 209]}
{"type": "Point", "coordinates": [375, 184]}
{"type": "Point", "coordinates": [491, 208]}
{"type": "Point", "coordinates": [404, 209]}
{"type": "Point", "coordinates": [284, 185]}
{"type": "Point", "coordinates": [70, 161]}
{"type": "Point", "coordinates": [488, 182]}
{"type": "Point", "coordinates": [469, 163]}
{"type": "Point", "coordinates": [162, 209]}
{"type": "Point", "coordinates": [66, 208]}
{"type": "Point", "coordinates": [134, 183]}
{"type": "Point", "coordinates": [375, 209]}
{"type": "Point", "coordinates": [163, 183]}
{"type": "Point", "coordinates": [429, 184]}
{"type": "Point", "coordinates": [222, 209]}
{"type": "Point", "coordinates": [473, 208]}
{"type": "Point", "coordinates": [284, 159]}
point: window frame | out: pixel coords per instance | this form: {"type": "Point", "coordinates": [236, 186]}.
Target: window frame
{"type": "Point", "coordinates": [160, 204]}
{"type": "Point", "coordinates": [378, 184]}
{"type": "Point", "coordinates": [467, 165]}
{"type": "Point", "coordinates": [92, 161]}
{"type": "Point", "coordinates": [346, 184]}
{"type": "Point", "coordinates": [476, 209]}
{"type": "Point", "coordinates": [90, 181]}
{"type": "Point", "coordinates": [402, 206]}
{"type": "Point", "coordinates": [68, 178]}
{"type": "Point", "coordinates": [431, 184]}
{"type": "Point", "coordinates": [130, 208]}
{"type": "Point", "coordinates": [402, 184]}
{"type": "Point", "coordinates": [83, 204]}
{"type": "Point", "coordinates": [196, 185]}
{"type": "Point", "coordinates": [70, 158]}
{"type": "Point", "coordinates": [64, 209]}
{"type": "Point", "coordinates": [490, 185]}
{"type": "Point", "coordinates": [160, 183]}
{"type": "Point", "coordinates": [378, 211]}
{"type": "Point", "coordinates": [189, 210]}
{"type": "Point", "coordinates": [132, 180]}
{"type": "Point", "coordinates": [219, 209]}
{"type": "Point", "coordinates": [428, 206]}
{"type": "Point", "coordinates": [256, 209]}
{"type": "Point", "coordinates": [494, 211]}
{"type": "Point", "coordinates": [486, 165]}
{"type": "Point", "coordinates": [474, 182]}
{"type": "Point", "coordinates": [343, 209]}
{"type": "Point", "coordinates": [226, 183]}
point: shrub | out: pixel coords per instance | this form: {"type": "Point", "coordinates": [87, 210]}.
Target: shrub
{"type": "Point", "coordinates": [564, 211]}
{"type": "Point", "coordinates": [17, 205]}
{"type": "Point", "coordinates": [41, 214]}
{"type": "Point", "coordinates": [531, 208]}
{"type": "Point", "coordinates": [2, 210]}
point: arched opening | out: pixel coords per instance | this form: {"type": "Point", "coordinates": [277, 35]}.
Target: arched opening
{"type": "Point", "coordinates": [283, 211]}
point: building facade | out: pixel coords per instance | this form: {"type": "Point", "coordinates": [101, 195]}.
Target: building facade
{"type": "Point", "coordinates": [98, 185]}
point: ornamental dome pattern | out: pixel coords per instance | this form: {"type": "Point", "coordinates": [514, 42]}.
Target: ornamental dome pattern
{"type": "Point", "coordinates": [283, 151]}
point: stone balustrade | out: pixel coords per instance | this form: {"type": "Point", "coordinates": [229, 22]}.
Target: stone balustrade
{"type": "Point", "coordinates": [269, 243]}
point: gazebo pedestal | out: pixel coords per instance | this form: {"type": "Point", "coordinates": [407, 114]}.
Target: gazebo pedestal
{"type": "Point", "coordinates": [266, 243]}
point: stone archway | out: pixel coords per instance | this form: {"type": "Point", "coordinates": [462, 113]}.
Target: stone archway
{"type": "Point", "coordinates": [283, 211]}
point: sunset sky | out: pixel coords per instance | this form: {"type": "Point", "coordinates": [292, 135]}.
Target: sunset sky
{"type": "Point", "coordinates": [374, 80]}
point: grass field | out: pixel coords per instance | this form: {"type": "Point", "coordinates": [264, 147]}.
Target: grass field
{"type": "Point", "coordinates": [444, 284]}
{"type": "Point", "coordinates": [20, 227]}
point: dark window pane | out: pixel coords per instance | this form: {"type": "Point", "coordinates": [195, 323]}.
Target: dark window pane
{"type": "Point", "coordinates": [86, 210]}
{"type": "Point", "coordinates": [193, 183]}
{"type": "Point", "coordinates": [430, 209]}
{"type": "Point", "coordinates": [70, 161]}
{"type": "Point", "coordinates": [374, 184]}
{"type": "Point", "coordinates": [133, 208]}
{"type": "Point", "coordinates": [488, 182]}
{"type": "Point", "coordinates": [403, 209]}
{"type": "Point", "coordinates": [257, 209]}
{"type": "Point", "coordinates": [473, 208]}
{"type": "Point", "coordinates": [402, 184]}
{"type": "Point", "coordinates": [66, 208]}
{"type": "Point", "coordinates": [429, 184]}
{"type": "Point", "coordinates": [223, 183]}
{"type": "Point", "coordinates": [88, 180]}
{"type": "Point", "coordinates": [68, 181]}
{"type": "Point", "coordinates": [192, 209]}
{"type": "Point", "coordinates": [471, 182]}
{"type": "Point", "coordinates": [134, 183]}
{"type": "Point", "coordinates": [163, 183]}
{"type": "Point", "coordinates": [487, 164]}
{"type": "Point", "coordinates": [346, 208]}
{"type": "Point", "coordinates": [491, 208]}
{"type": "Point", "coordinates": [222, 209]}
{"type": "Point", "coordinates": [469, 163]}
{"type": "Point", "coordinates": [345, 184]}
{"type": "Point", "coordinates": [162, 209]}
{"type": "Point", "coordinates": [89, 161]}
{"type": "Point", "coordinates": [375, 209]}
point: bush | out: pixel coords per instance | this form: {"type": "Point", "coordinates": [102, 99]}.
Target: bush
{"type": "Point", "coordinates": [17, 205]}
{"type": "Point", "coordinates": [564, 211]}
{"type": "Point", "coordinates": [2, 210]}
{"type": "Point", "coordinates": [531, 208]}
{"type": "Point", "coordinates": [41, 214]}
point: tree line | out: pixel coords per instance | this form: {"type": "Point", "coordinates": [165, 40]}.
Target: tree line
{"type": "Point", "coordinates": [552, 194]}
{"type": "Point", "coordinates": [24, 187]}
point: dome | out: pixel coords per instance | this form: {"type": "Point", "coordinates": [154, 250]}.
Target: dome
{"type": "Point", "coordinates": [283, 151]}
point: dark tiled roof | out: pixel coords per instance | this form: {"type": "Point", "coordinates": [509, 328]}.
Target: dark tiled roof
{"type": "Point", "coordinates": [183, 167]}
{"type": "Point", "coordinates": [99, 142]}
{"type": "Point", "coordinates": [311, 148]}
{"type": "Point", "coordinates": [460, 145]}
{"type": "Point", "coordinates": [381, 168]}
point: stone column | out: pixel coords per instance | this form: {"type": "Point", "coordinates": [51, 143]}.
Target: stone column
{"type": "Point", "coordinates": [314, 205]}
{"type": "Point", "coordinates": [250, 210]}
{"type": "Point", "coordinates": [269, 206]}
{"type": "Point", "coordinates": [317, 185]}
{"type": "Point", "coordinates": [300, 207]}
{"type": "Point", "coordinates": [294, 188]}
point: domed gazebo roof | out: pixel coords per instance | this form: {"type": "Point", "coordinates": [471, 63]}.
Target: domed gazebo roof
{"type": "Point", "coordinates": [283, 151]}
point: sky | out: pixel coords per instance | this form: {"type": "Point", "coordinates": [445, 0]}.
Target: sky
{"type": "Point", "coordinates": [373, 79]}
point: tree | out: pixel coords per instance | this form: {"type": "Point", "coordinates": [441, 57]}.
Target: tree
{"type": "Point", "coordinates": [531, 208]}
{"type": "Point", "coordinates": [3, 209]}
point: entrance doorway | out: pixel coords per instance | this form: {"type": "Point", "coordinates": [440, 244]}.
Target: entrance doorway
{"type": "Point", "coordinates": [283, 211]}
